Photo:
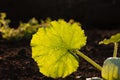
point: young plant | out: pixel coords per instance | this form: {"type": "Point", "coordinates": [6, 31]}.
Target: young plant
{"type": "Point", "coordinates": [4, 24]}
{"type": "Point", "coordinates": [111, 66]}
{"type": "Point", "coordinates": [24, 30]}
{"type": "Point", "coordinates": [56, 47]}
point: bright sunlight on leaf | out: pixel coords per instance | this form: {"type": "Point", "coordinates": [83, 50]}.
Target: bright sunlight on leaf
{"type": "Point", "coordinates": [52, 45]}
{"type": "Point", "coordinates": [113, 39]}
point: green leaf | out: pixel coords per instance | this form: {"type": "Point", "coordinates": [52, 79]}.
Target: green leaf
{"type": "Point", "coordinates": [51, 48]}
{"type": "Point", "coordinates": [2, 15]}
{"type": "Point", "coordinates": [113, 39]}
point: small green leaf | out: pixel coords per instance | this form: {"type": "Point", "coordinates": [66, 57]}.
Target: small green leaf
{"type": "Point", "coordinates": [51, 47]}
{"type": "Point", "coordinates": [2, 15]}
{"type": "Point", "coordinates": [113, 39]}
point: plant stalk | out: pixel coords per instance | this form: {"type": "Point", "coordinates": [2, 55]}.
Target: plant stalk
{"type": "Point", "coordinates": [89, 60]}
{"type": "Point", "coordinates": [115, 49]}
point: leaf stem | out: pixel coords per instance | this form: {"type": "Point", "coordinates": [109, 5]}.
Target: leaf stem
{"type": "Point", "coordinates": [89, 60]}
{"type": "Point", "coordinates": [115, 49]}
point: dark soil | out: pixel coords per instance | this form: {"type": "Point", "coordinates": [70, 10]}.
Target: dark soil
{"type": "Point", "coordinates": [16, 62]}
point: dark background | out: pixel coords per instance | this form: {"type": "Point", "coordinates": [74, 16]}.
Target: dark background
{"type": "Point", "coordinates": [91, 13]}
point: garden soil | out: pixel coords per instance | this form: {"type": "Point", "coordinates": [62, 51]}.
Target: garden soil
{"type": "Point", "coordinates": [16, 62]}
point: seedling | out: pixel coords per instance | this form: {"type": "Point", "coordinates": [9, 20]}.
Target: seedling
{"type": "Point", "coordinates": [23, 31]}
{"type": "Point", "coordinates": [111, 66]}
{"type": "Point", "coordinates": [56, 47]}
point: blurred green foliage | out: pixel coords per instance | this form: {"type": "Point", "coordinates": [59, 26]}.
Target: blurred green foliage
{"type": "Point", "coordinates": [23, 31]}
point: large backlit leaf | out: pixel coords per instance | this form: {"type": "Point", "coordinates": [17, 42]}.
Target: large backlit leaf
{"type": "Point", "coordinates": [51, 47]}
{"type": "Point", "coordinates": [113, 39]}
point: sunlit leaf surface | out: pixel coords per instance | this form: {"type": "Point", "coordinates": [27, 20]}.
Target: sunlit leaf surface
{"type": "Point", "coordinates": [52, 45]}
{"type": "Point", "coordinates": [113, 39]}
